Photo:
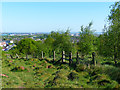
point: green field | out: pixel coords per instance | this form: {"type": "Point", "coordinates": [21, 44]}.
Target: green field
{"type": "Point", "coordinates": [44, 74]}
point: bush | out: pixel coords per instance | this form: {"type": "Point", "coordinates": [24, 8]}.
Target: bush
{"type": "Point", "coordinates": [111, 71]}
{"type": "Point", "coordinates": [80, 67]}
{"type": "Point", "coordinates": [103, 80]}
{"type": "Point", "coordinates": [73, 75]}
{"type": "Point", "coordinates": [99, 77]}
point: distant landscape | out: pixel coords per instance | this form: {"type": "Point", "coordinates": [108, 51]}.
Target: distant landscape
{"type": "Point", "coordinates": [62, 58]}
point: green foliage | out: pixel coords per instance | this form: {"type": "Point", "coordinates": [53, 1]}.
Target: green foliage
{"type": "Point", "coordinates": [103, 81]}
{"type": "Point", "coordinates": [40, 47]}
{"type": "Point", "coordinates": [109, 42]}
{"type": "Point", "coordinates": [80, 67]}
{"type": "Point", "coordinates": [111, 71]}
{"type": "Point", "coordinates": [49, 45]}
{"type": "Point", "coordinates": [86, 40]}
{"type": "Point", "coordinates": [56, 41]}
{"type": "Point", "coordinates": [36, 74]}
{"type": "Point", "coordinates": [27, 46]}
{"type": "Point", "coordinates": [14, 51]}
{"type": "Point", "coordinates": [62, 41]}
{"type": "Point", "coordinates": [73, 75]}
{"type": "Point", "coordinates": [32, 73]}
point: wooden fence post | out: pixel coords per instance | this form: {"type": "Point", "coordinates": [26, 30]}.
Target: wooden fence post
{"type": "Point", "coordinates": [42, 54]}
{"type": "Point", "coordinates": [53, 56]}
{"type": "Point", "coordinates": [17, 55]}
{"type": "Point", "coordinates": [11, 56]}
{"type": "Point", "coordinates": [63, 56]}
{"type": "Point", "coordinates": [70, 58]}
{"type": "Point", "coordinates": [93, 58]}
{"type": "Point", "coordinates": [77, 57]}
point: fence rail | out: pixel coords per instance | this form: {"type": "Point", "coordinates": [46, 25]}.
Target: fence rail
{"type": "Point", "coordinates": [63, 58]}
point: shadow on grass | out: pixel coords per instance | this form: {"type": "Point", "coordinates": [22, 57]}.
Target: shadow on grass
{"type": "Point", "coordinates": [59, 63]}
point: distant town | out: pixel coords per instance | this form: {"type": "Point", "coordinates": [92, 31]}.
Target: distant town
{"type": "Point", "coordinates": [10, 40]}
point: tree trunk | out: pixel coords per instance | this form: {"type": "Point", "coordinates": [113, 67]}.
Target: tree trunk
{"type": "Point", "coordinates": [53, 56]}
{"type": "Point", "coordinates": [27, 56]}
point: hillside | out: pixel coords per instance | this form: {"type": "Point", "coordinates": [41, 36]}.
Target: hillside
{"type": "Point", "coordinates": [35, 73]}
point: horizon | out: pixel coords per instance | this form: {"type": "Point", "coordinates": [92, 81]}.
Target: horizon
{"type": "Point", "coordinates": [41, 32]}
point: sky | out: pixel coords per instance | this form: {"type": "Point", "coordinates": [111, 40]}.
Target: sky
{"type": "Point", "coordinates": [53, 16]}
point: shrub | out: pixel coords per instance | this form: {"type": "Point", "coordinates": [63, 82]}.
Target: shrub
{"type": "Point", "coordinates": [99, 77]}
{"type": "Point", "coordinates": [73, 75]}
{"type": "Point", "coordinates": [103, 80]}
{"type": "Point", "coordinates": [59, 79]}
{"type": "Point", "coordinates": [113, 72]}
{"type": "Point", "coordinates": [94, 70]}
{"type": "Point", "coordinates": [80, 67]}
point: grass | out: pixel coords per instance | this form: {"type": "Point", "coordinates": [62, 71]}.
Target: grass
{"type": "Point", "coordinates": [44, 74]}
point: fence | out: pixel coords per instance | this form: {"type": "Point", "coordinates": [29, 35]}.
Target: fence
{"type": "Point", "coordinates": [63, 58]}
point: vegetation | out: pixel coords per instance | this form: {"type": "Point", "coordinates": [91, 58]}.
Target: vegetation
{"type": "Point", "coordinates": [110, 38]}
{"type": "Point", "coordinates": [86, 39]}
{"type": "Point", "coordinates": [32, 70]}
{"type": "Point", "coordinates": [35, 73]}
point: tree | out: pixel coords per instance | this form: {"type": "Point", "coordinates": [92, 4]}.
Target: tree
{"type": "Point", "coordinates": [110, 40]}
{"type": "Point", "coordinates": [41, 47]}
{"type": "Point", "coordinates": [86, 40]}
{"type": "Point", "coordinates": [27, 46]}
{"type": "Point", "coordinates": [114, 30]}
{"type": "Point", "coordinates": [62, 41]}
{"type": "Point", "coordinates": [49, 45]}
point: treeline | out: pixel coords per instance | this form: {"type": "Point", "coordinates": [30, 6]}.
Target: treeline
{"type": "Point", "coordinates": [107, 44]}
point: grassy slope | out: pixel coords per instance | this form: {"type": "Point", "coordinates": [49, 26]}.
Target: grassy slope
{"type": "Point", "coordinates": [37, 75]}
